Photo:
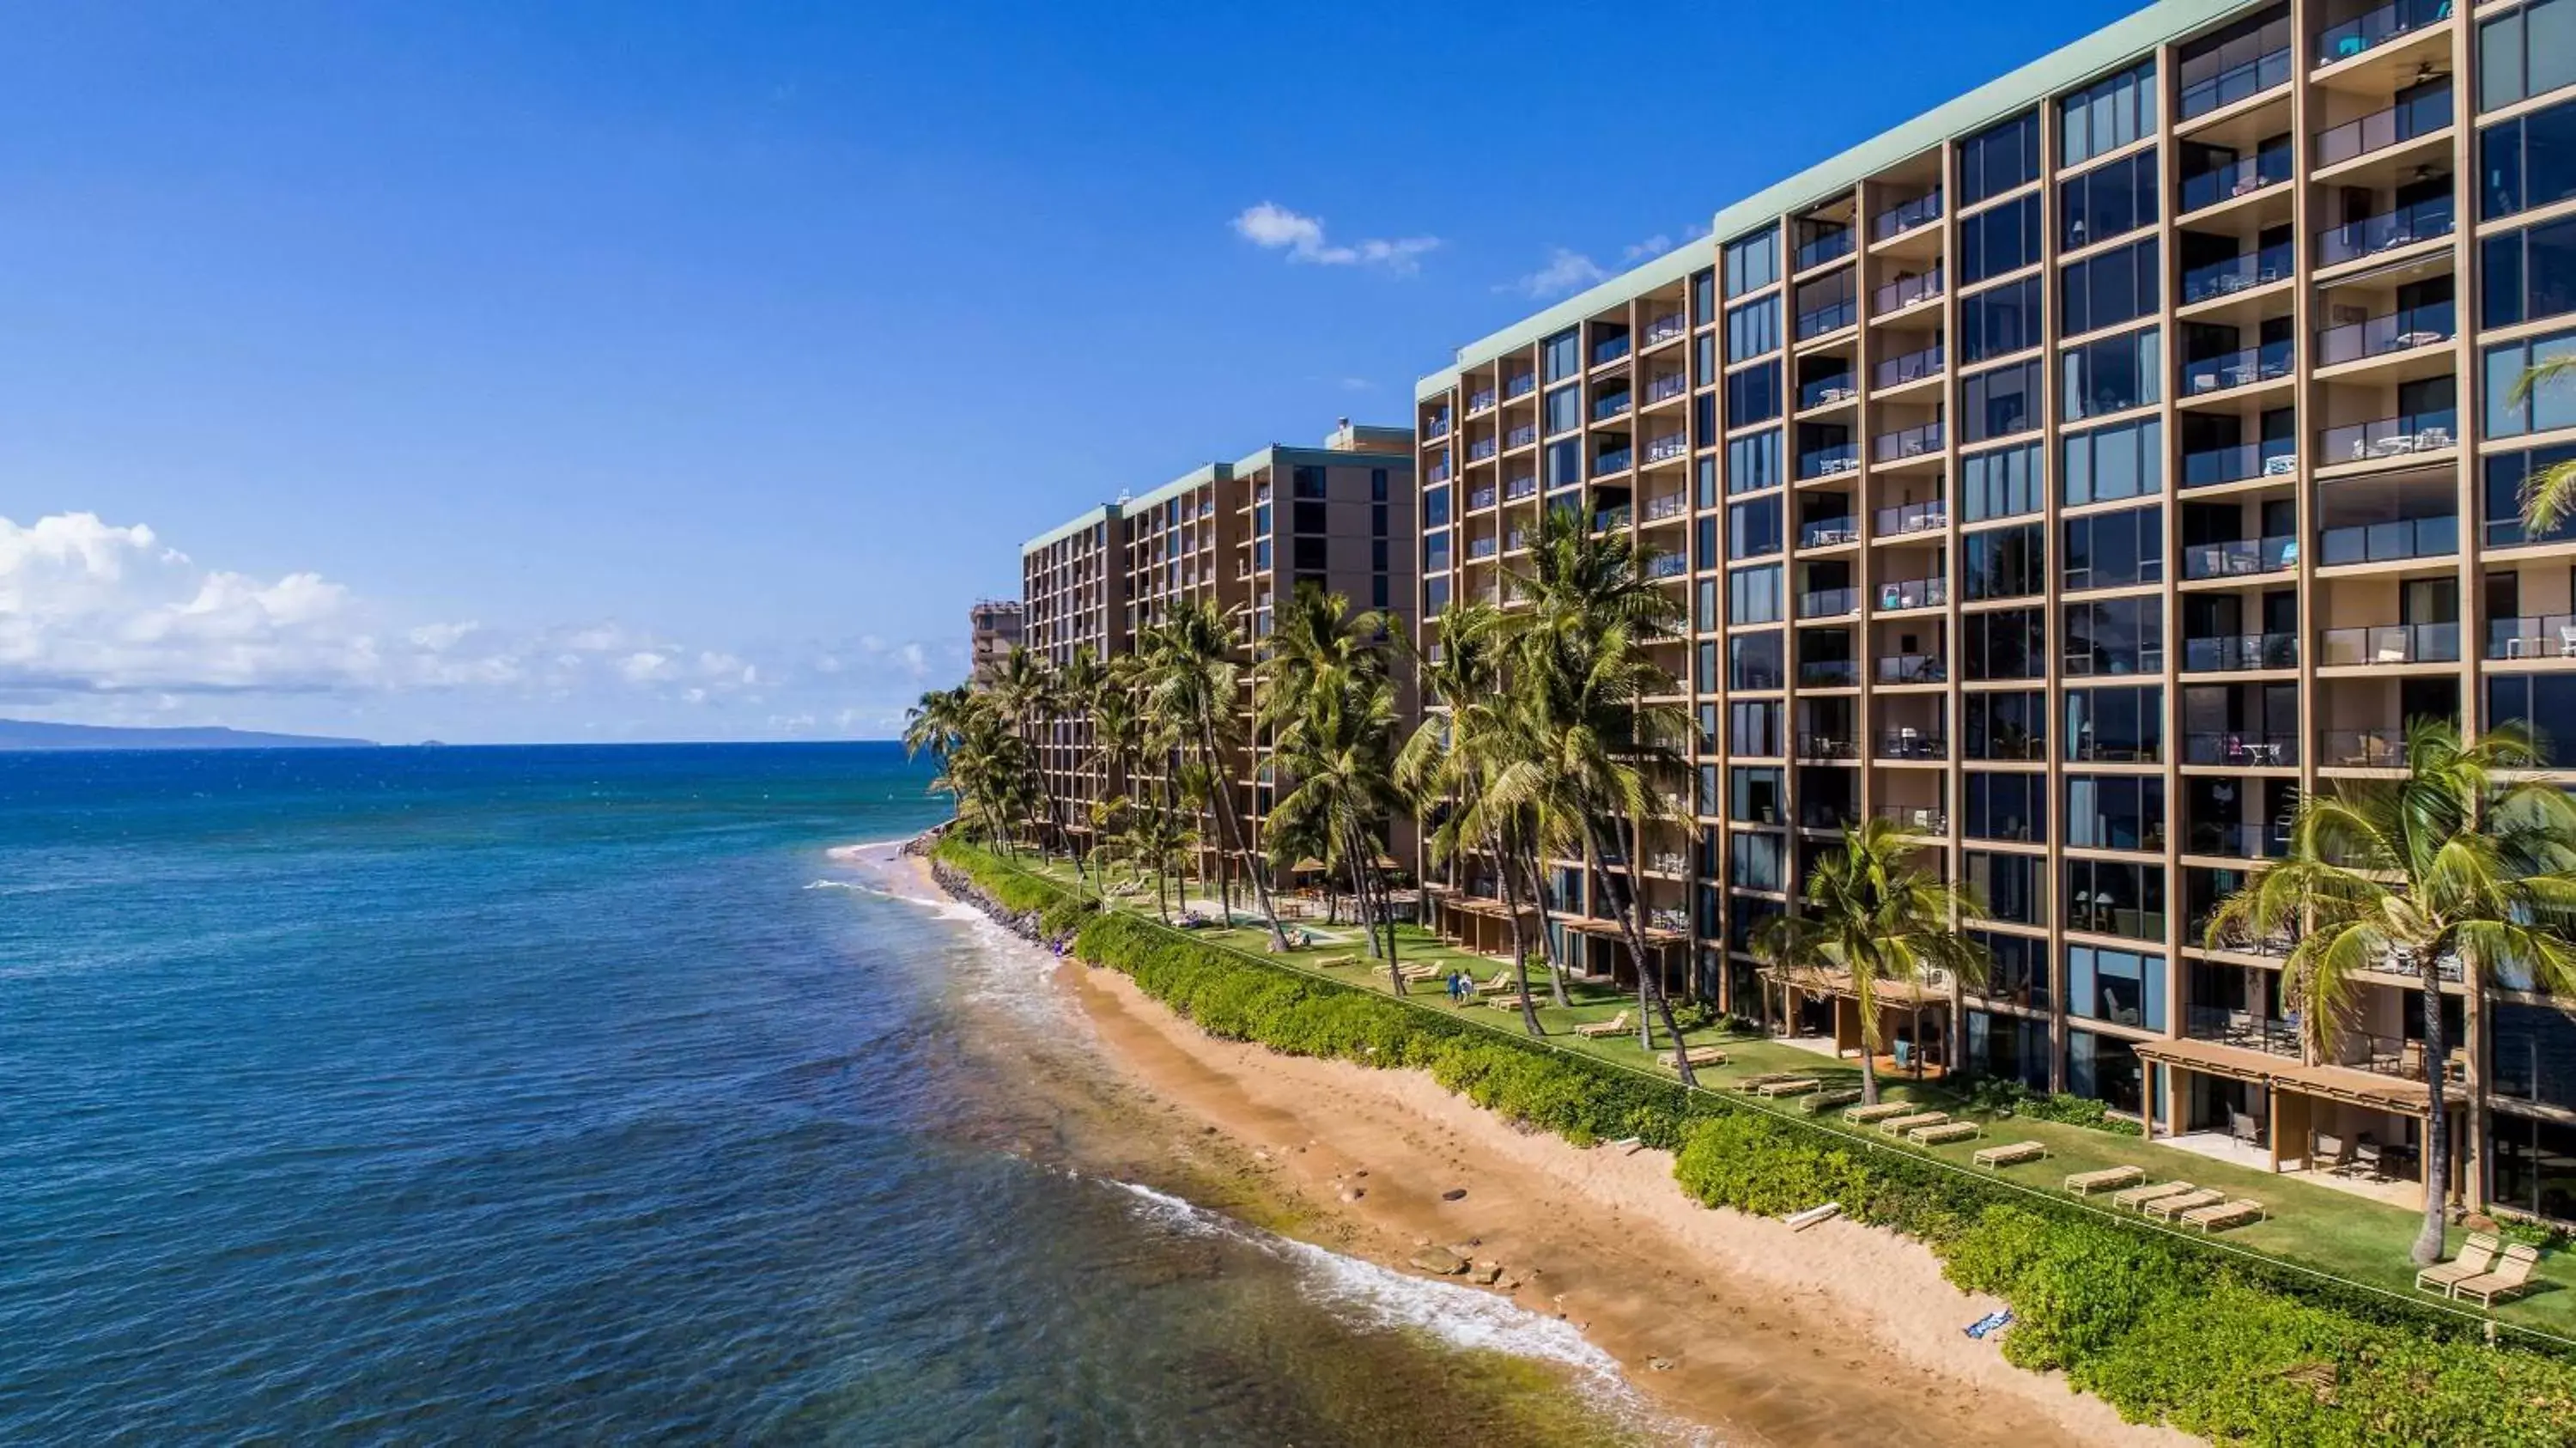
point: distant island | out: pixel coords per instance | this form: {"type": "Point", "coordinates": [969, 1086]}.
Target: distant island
{"type": "Point", "coordinates": [27, 735]}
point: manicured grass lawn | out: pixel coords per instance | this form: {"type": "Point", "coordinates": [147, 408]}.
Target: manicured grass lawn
{"type": "Point", "coordinates": [2311, 1225]}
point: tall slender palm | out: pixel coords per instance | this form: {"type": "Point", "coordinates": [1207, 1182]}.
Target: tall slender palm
{"type": "Point", "coordinates": [1327, 699]}
{"type": "Point", "coordinates": [934, 723]}
{"type": "Point", "coordinates": [2549, 494]}
{"type": "Point", "coordinates": [1026, 690]}
{"type": "Point", "coordinates": [1191, 681]}
{"type": "Point", "coordinates": [2455, 862]}
{"type": "Point", "coordinates": [1876, 917]}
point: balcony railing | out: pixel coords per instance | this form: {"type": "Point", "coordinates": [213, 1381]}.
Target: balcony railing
{"type": "Point", "coordinates": [1829, 673]}
{"type": "Point", "coordinates": [1910, 442]}
{"type": "Point", "coordinates": [2255, 172]}
{"type": "Point", "coordinates": [1670, 505]}
{"type": "Point", "coordinates": [2237, 841]}
{"type": "Point", "coordinates": [2387, 542]}
{"type": "Point", "coordinates": [2239, 273]}
{"type": "Point", "coordinates": [2383, 748]}
{"type": "Point", "coordinates": [1825, 462]}
{"type": "Point", "coordinates": [1525, 486]}
{"type": "Point", "coordinates": [1664, 449]}
{"type": "Point", "coordinates": [1897, 221]}
{"type": "Point", "coordinates": [1521, 436]}
{"type": "Point", "coordinates": [2266, 363]}
{"type": "Point", "coordinates": [1905, 292]}
{"type": "Point", "coordinates": [2389, 437]}
{"type": "Point", "coordinates": [1481, 449]}
{"type": "Point", "coordinates": [2400, 643]}
{"type": "Point", "coordinates": [2125, 921]}
{"type": "Point", "coordinates": [1438, 429]}
{"type": "Point", "coordinates": [2379, 130]}
{"type": "Point", "coordinates": [2242, 558]}
{"type": "Point", "coordinates": [2236, 464]}
{"type": "Point", "coordinates": [1666, 385]}
{"type": "Point", "coordinates": [1911, 744]}
{"type": "Point", "coordinates": [2377, 28]}
{"type": "Point", "coordinates": [2532, 636]}
{"type": "Point", "coordinates": [2229, 653]}
{"type": "Point", "coordinates": [1822, 248]}
{"type": "Point", "coordinates": [1480, 401]}
{"type": "Point", "coordinates": [1482, 547]}
{"type": "Point", "coordinates": [1667, 565]}
{"type": "Point", "coordinates": [1828, 746]}
{"type": "Point", "coordinates": [2241, 748]}
{"type": "Point", "coordinates": [1911, 518]}
{"type": "Point", "coordinates": [1912, 367]}
{"type": "Point", "coordinates": [2423, 221]}
{"type": "Point", "coordinates": [2243, 1030]}
{"type": "Point", "coordinates": [1520, 385]}
{"type": "Point", "coordinates": [1616, 460]}
{"type": "Point", "coordinates": [2396, 332]}
{"type": "Point", "coordinates": [1481, 498]}
{"type": "Point", "coordinates": [1832, 318]}
{"type": "Point", "coordinates": [1516, 540]}
{"type": "Point", "coordinates": [1912, 669]}
{"type": "Point", "coordinates": [1823, 390]}
{"type": "Point", "coordinates": [1828, 602]}
{"type": "Point", "coordinates": [1665, 328]}
{"type": "Point", "coordinates": [1609, 350]}
{"type": "Point", "coordinates": [2236, 83]}
{"type": "Point", "coordinates": [1828, 532]}
{"type": "Point", "coordinates": [1929, 818]}
{"type": "Point", "coordinates": [1913, 593]}
{"type": "Point", "coordinates": [1610, 520]}
{"type": "Point", "coordinates": [1615, 404]}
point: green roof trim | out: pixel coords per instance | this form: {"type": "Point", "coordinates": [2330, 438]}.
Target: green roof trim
{"type": "Point", "coordinates": [1105, 513]}
{"type": "Point", "coordinates": [2123, 41]}
{"type": "Point", "coordinates": [1279, 454]}
{"type": "Point", "coordinates": [1195, 478]}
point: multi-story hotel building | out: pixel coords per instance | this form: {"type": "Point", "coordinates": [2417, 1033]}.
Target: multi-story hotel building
{"type": "Point", "coordinates": [993, 630]}
{"type": "Point", "coordinates": [1241, 535]}
{"type": "Point", "coordinates": [2082, 472]}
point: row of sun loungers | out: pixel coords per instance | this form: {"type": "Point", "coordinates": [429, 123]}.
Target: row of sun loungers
{"type": "Point", "coordinates": [2184, 1203]}
{"type": "Point", "coordinates": [2485, 1269]}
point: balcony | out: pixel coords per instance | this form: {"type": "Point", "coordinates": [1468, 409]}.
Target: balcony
{"type": "Point", "coordinates": [1480, 402]}
{"type": "Point", "coordinates": [2236, 464]}
{"type": "Point", "coordinates": [2397, 332]}
{"type": "Point", "coordinates": [2237, 83]}
{"type": "Point", "coordinates": [1516, 540]}
{"type": "Point", "coordinates": [2532, 636]}
{"type": "Point", "coordinates": [1665, 328]}
{"type": "Point", "coordinates": [1828, 532]}
{"type": "Point", "coordinates": [1666, 386]}
{"type": "Point", "coordinates": [1911, 669]}
{"type": "Point", "coordinates": [2236, 841]}
{"type": "Point", "coordinates": [2402, 643]}
{"type": "Point", "coordinates": [2388, 437]}
{"type": "Point", "coordinates": [1822, 320]}
{"type": "Point", "coordinates": [1481, 449]}
{"type": "Point", "coordinates": [1912, 367]}
{"type": "Point", "coordinates": [1826, 390]}
{"type": "Point", "coordinates": [1438, 429]}
{"type": "Point", "coordinates": [1911, 744]}
{"type": "Point", "coordinates": [2254, 173]}
{"type": "Point", "coordinates": [1911, 518]}
{"type": "Point", "coordinates": [1666, 448]}
{"type": "Point", "coordinates": [2389, 542]}
{"type": "Point", "coordinates": [1921, 211]}
{"type": "Point", "coordinates": [1481, 548]}
{"type": "Point", "coordinates": [1826, 462]}
{"type": "Point", "coordinates": [1481, 498]}
{"type": "Point", "coordinates": [1911, 442]}
{"type": "Point", "coordinates": [1670, 505]}
{"type": "Point", "coordinates": [2267, 363]}
{"type": "Point", "coordinates": [1521, 385]}
{"type": "Point", "coordinates": [1615, 404]}
{"type": "Point", "coordinates": [2232, 653]}
{"type": "Point", "coordinates": [1616, 460]}
{"type": "Point", "coordinates": [1521, 436]}
{"type": "Point", "coordinates": [1827, 746]}
{"type": "Point", "coordinates": [1828, 602]}
{"type": "Point", "coordinates": [1524, 486]}
{"type": "Point", "coordinates": [1611, 520]}
{"type": "Point", "coordinates": [2424, 221]}
{"type": "Point", "coordinates": [1931, 819]}
{"type": "Point", "coordinates": [1829, 674]}
{"type": "Point", "coordinates": [2239, 273]}
{"type": "Point", "coordinates": [1667, 565]}
{"type": "Point", "coordinates": [2243, 558]}
{"type": "Point", "coordinates": [2380, 26]}
{"type": "Point", "coordinates": [1818, 250]}
{"type": "Point", "coordinates": [2380, 130]}
{"type": "Point", "coordinates": [1905, 292]}
{"type": "Point", "coordinates": [1609, 350]}
{"type": "Point", "coordinates": [2096, 918]}
{"type": "Point", "coordinates": [1913, 593]}
{"type": "Point", "coordinates": [2382, 748]}
{"type": "Point", "coordinates": [2240, 749]}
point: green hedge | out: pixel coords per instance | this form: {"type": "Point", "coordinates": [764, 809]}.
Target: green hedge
{"type": "Point", "coordinates": [2237, 1350]}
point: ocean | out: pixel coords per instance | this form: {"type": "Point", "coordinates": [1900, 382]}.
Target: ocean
{"type": "Point", "coordinates": [578, 1094]}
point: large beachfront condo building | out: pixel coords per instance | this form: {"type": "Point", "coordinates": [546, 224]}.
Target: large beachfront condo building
{"type": "Point", "coordinates": [1240, 535]}
{"type": "Point", "coordinates": [993, 630]}
{"type": "Point", "coordinates": [2081, 473]}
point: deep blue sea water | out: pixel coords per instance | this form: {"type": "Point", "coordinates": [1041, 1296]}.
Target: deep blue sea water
{"type": "Point", "coordinates": [537, 1095]}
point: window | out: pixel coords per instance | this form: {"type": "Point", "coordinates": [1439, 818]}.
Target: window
{"type": "Point", "coordinates": [1561, 356]}
{"type": "Point", "coordinates": [2006, 806]}
{"type": "Point", "coordinates": [2000, 403]}
{"type": "Point", "coordinates": [1753, 528]}
{"type": "Point", "coordinates": [1753, 262]}
{"type": "Point", "coordinates": [1753, 395]}
{"type": "Point", "coordinates": [1564, 462]}
{"type": "Point", "coordinates": [2110, 463]}
{"type": "Point", "coordinates": [1435, 552]}
{"type": "Point", "coordinates": [1564, 410]}
{"type": "Point", "coordinates": [2531, 273]}
{"type": "Point", "coordinates": [2007, 643]}
{"type": "Point", "coordinates": [2001, 484]}
{"type": "Point", "coordinates": [2119, 285]}
{"type": "Point", "coordinates": [1753, 463]}
{"type": "Point", "coordinates": [1999, 158]}
{"type": "Point", "coordinates": [2502, 506]}
{"type": "Point", "coordinates": [1753, 661]}
{"type": "Point", "coordinates": [1754, 728]}
{"type": "Point", "coordinates": [2002, 239]}
{"type": "Point", "coordinates": [2243, 60]}
{"type": "Point", "coordinates": [1377, 485]}
{"type": "Point", "coordinates": [1310, 555]}
{"type": "Point", "coordinates": [2116, 636]}
{"type": "Point", "coordinates": [2112, 375]}
{"type": "Point", "coordinates": [2005, 724]}
{"type": "Point", "coordinates": [1379, 591]}
{"type": "Point", "coordinates": [2114, 726]}
{"type": "Point", "coordinates": [1302, 482]}
{"type": "Point", "coordinates": [2122, 987]}
{"type": "Point", "coordinates": [2528, 161]}
{"type": "Point", "coordinates": [1753, 329]}
{"type": "Point", "coordinates": [1707, 675]}
{"type": "Point", "coordinates": [2107, 201]}
{"type": "Point", "coordinates": [1758, 861]}
{"type": "Point", "coordinates": [2004, 562]}
{"type": "Point", "coordinates": [2527, 53]}
{"type": "Point", "coordinates": [1435, 510]}
{"type": "Point", "coordinates": [2106, 115]}
{"type": "Point", "coordinates": [2006, 319]}
{"type": "Point", "coordinates": [2114, 550]}
{"type": "Point", "coordinates": [2017, 971]}
{"type": "Point", "coordinates": [2536, 701]}
{"type": "Point", "coordinates": [1753, 795]}
{"type": "Point", "coordinates": [2535, 1160]}
{"type": "Point", "coordinates": [1753, 595]}
{"type": "Point", "coordinates": [1827, 304]}
{"type": "Point", "coordinates": [2008, 884]}
{"type": "Point", "coordinates": [1309, 517]}
{"type": "Point", "coordinates": [1377, 520]}
{"type": "Point", "coordinates": [1703, 297]}
{"type": "Point", "coordinates": [1377, 555]}
{"type": "Point", "coordinates": [2548, 407]}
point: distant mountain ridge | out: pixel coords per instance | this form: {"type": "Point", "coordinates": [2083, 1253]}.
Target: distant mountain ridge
{"type": "Point", "coordinates": [26, 735]}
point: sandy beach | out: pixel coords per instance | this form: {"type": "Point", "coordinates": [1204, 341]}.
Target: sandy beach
{"type": "Point", "coordinates": [1838, 1335]}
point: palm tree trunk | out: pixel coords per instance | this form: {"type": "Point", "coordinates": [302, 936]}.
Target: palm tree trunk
{"type": "Point", "coordinates": [1652, 1003]}
{"type": "Point", "coordinates": [1520, 939]}
{"type": "Point", "coordinates": [2437, 1121]}
{"type": "Point", "coordinates": [1223, 790]}
{"type": "Point", "coordinates": [1865, 1000]}
{"type": "Point", "coordinates": [1528, 860]}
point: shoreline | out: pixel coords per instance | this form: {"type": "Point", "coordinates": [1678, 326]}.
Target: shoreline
{"type": "Point", "coordinates": [1843, 1334]}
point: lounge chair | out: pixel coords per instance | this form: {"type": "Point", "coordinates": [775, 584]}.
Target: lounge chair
{"type": "Point", "coordinates": [2140, 1196]}
{"type": "Point", "coordinates": [1425, 971]}
{"type": "Point", "coordinates": [1794, 1086]}
{"type": "Point", "coordinates": [1502, 981]}
{"type": "Point", "coordinates": [1699, 1056]}
{"type": "Point", "coordinates": [1899, 1125]}
{"type": "Point", "coordinates": [1883, 1110]}
{"type": "Point", "coordinates": [2476, 1256]}
{"type": "Point", "coordinates": [2171, 1208]}
{"type": "Point", "coordinates": [1994, 1158]}
{"type": "Point", "coordinates": [1756, 1083]}
{"type": "Point", "coordinates": [1827, 1100]}
{"type": "Point", "coordinates": [1945, 1132]}
{"type": "Point", "coordinates": [1615, 1026]}
{"type": "Point", "coordinates": [2226, 1214]}
{"type": "Point", "coordinates": [2085, 1183]}
{"type": "Point", "coordinates": [1508, 1001]}
{"type": "Point", "coordinates": [2511, 1277]}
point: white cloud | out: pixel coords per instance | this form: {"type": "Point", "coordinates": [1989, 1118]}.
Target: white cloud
{"type": "Point", "coordinates": [1276, 228]}
{"type": "Point", "coordinates": [1566, 273]}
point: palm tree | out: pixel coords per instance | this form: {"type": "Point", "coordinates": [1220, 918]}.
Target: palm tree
{"type": "Point", "coordinates": [983, 763]}
{"type": "Point", "coordinates": [1156, 841]}
{"type": "Point", "coordinates": [1026, 690]}
{"type": "Point", "coordinates": [2549, 495]}
{"type": "Point", "coordinates": [2453, 862]}
{"type": "Point", "coordinates": [1876, 916]}
{"type": "Point", "coordinates": [1191, 682]}
{"type": "Point", "coordinates": [1327, 699]}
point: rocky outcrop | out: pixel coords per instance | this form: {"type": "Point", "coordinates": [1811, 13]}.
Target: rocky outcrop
{"type": "Point", "coordinates": [1029, 925]}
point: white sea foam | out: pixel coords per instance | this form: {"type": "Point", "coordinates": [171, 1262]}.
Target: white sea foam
{"type": "Point", "coordinates": [864, 849]}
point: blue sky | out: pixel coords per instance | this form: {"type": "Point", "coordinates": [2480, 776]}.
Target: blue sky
{"type": "Point", "coordinates": [609, 371]}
